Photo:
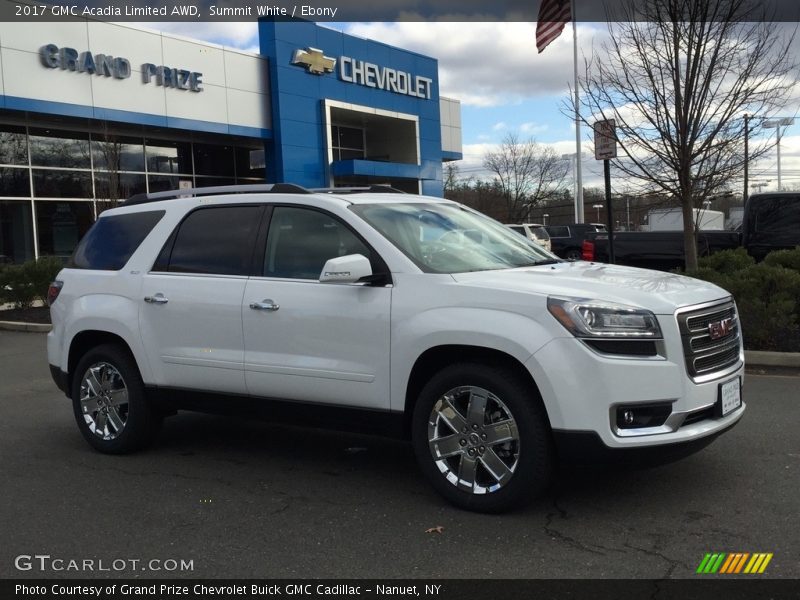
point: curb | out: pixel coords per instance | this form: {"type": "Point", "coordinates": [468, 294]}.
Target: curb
{"type": "Point", "coordinates": [30, 327]}
{"type": "Point", "coordinates": [761, 358]}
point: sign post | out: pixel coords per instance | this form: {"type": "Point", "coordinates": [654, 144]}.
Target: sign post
{"type": "Point", "coordinates": [605, 148]}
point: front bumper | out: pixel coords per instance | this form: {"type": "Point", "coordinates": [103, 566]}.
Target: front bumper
{"type": "Point", "coordinates": [60, 378]}
{"type": "Point", "coordinates": [581, 389]}
{"type": "Point", "coordinates": [586, 447]}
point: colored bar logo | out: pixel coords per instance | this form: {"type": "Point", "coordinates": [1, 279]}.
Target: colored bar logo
{"type": "Point", "coordinates": [733, 563]}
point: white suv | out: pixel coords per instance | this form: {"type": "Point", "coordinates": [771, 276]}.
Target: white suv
{"type": "Point", "coordinates": [364, 311]}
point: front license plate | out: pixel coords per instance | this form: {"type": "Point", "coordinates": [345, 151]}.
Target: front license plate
{"type": "Point", "coordinates": [730, 395]}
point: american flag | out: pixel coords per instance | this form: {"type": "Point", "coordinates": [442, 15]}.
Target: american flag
{"type": "Point", "coordinates": [553, 15]}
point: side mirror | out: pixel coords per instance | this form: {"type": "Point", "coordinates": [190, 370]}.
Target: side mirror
{"type": "Point", "coordinates": [345, 269]}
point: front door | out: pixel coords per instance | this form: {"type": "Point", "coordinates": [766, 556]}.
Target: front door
{"type": "Point", "coordinates": [311, 341]}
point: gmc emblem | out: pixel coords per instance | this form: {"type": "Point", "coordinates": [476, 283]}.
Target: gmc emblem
{"type": "Point", "coordinates": [720, 329]}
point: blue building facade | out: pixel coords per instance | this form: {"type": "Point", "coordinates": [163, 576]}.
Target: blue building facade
{"type": "Point", "coordinates": [328, 89]}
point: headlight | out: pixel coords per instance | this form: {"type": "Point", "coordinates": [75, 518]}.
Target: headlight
{"type": "Point", "coordinates": [590, 319]}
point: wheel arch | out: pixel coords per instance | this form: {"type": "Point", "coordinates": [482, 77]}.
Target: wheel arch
{"type": "Point", "coordinates": [436, 358]}
{"type": "Point", "coordinates": [84, 341]}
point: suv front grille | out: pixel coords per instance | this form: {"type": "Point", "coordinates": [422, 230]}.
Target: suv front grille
{"type": "Point", "coordinates": [711, 339]}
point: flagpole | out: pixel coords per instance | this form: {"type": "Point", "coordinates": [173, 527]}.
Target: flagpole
{"type": "Point", "coordinates": [578, 176]}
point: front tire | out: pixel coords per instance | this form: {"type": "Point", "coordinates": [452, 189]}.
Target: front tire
{"type": "Point", "coordinates": [482, 438]}
{"type": "Point", "coordinates": [109, 401]}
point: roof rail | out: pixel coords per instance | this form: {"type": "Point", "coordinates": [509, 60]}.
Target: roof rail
{"type": "Point", "coordinates": [375, 188]}
{"type": "Point", "coordinates": [269, 188]}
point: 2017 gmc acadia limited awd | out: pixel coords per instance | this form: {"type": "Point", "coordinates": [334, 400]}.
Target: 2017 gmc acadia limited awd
{"type": "Point", "coordinates": [363, 310]}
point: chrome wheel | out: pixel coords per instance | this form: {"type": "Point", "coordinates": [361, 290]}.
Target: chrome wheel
{"type": "Point", "coordinates": [104, 400]}
{"type": "Point", "coordinates": [473, 439]}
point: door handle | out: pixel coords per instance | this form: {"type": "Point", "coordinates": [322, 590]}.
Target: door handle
{"type": "Point", "coordinates": [156, 299]}
{"type": "Point", "coordinates": [265, 304]}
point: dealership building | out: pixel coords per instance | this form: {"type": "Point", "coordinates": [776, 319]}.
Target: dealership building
{"type": "Point", "coordinates": [94, 112]}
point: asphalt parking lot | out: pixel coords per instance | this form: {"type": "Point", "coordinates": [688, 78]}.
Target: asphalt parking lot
{"type": "Point", "coordinates": [250, 499]}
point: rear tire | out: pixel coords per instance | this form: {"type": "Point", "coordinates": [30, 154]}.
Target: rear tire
{"type": "Point", "coordinates": [109, 401]}
{"type": "Point", "coordinates": [482, 438]}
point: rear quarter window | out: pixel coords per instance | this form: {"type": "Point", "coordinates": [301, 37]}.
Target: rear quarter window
{"type": "Point", "coordinates": [112, 240]}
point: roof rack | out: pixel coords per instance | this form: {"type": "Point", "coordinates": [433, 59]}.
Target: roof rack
{"type": "Point", "coordinates": [375, 188]}
{"type": "Point", "coordinates": [270, 188]}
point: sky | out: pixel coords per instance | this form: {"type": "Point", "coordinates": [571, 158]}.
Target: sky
{"type": "Point", "coordinates": [503, 84]}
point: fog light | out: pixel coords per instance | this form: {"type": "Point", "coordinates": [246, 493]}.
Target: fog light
{"type": "Point", "coordinates": [634, 416]}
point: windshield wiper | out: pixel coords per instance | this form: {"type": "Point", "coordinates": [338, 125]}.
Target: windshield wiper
{"type": "Point", "coordinates": [545, 261]}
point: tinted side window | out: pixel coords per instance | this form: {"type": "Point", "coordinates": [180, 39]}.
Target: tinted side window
{"type": "Point", "coordinates": [216, 240]}
{"type": "Point", "coordinates": [112, 240]}
{"type": "Point", "coordinates": [301, 241]}
{"type": "Point", "coordinates": [776, 215]}
{"type": "Point", "coordinates": [558, 231]}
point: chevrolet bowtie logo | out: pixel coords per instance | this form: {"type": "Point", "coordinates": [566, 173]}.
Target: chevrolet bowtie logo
{"type": "Point", "coordinates": [314, 61]}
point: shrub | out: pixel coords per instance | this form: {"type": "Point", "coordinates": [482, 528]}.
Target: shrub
{"type": "Point", "coordinates": [785, 258]}
{"type": "Point", "coordinates": [22, 284]}
{"type": "Point", "coordinates": [727, 261]}
{"type": "Point", "coordinates": [15, 288]}
{"type": "Point", "coordinates": [40, 273]}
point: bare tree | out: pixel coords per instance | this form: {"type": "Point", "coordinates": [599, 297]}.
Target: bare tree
{"type": "Point", "coordinates": [108, 190]}
{"type": "Point", "coordinates": [678, 76]}
{"type": "Point", "coordinates": [527, 174]}
{"type": "Point", "coordinates": [451, 173]}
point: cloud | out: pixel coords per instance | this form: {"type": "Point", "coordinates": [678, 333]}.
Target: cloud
{"type": "Point", "coordinates": [499, 126]}
{"type": "Point", "coordinates": [488, 64]}
{"type": "Point", "coordinates": [533, 128]}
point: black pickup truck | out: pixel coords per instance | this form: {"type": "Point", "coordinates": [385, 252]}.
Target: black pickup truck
{"type": "Point", "coordinates": [771, 222]}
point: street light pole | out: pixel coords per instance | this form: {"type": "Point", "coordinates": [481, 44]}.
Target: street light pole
{"type": "Point", "coordinates": [777, 124]}
{"type": "Point", "coordinates": [597, 207]}
{"type": "Point", "coordinates": [628, 210]}
{"type": "Point", "coordinates": [746, 139]}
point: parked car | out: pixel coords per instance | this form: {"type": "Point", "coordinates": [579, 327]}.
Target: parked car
{"type": "Point", "coordinates": [771, 222]}
{"type": "Point", "coordinates": [567, 240]}
{"type": "Point", "coordinates": [347, 310]}
{"type": "Point", "coordinates": [534, 232]}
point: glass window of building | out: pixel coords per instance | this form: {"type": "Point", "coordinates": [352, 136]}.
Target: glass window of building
{"type": "Point", "coordinates": [16, 232]}
{"type": "Point", "coordinates": [168, 157]}
{"type": "Point", "coordinates": [213, 160]}
{"type": "Point", "coordinates": [118, 186]}
{"type": "Point", "coordinates": [54, 148]}
{"type": "Point", "coordinates": [13, 145]}
{"type": "Point", "coordinates": [60, 225]}
{"type": "Point", "coordinates": [250, 163]}
{"type": "Point", "coordinates": [115, 153]}
{"type": "Point", "coordinates": [213, 181]}
{"type": "Point", "coordinates": [62, 184]}
{"type": "Point", "coordinates": [348, 142]}
{"type": "Point", "coordinates": [164, 183]}
{"type": "Point", "coordinates": [15, 182]}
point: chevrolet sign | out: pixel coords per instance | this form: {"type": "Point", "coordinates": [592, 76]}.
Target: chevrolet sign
{"type": "Point", "coordinates": [364, 73]}
{"type": "Point", "coordinates": [314, 60]}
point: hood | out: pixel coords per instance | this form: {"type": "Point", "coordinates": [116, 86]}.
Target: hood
{"type": "Point", "coordinates": [656, 291]}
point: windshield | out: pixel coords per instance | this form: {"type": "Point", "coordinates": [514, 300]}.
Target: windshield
{"type": "Point", "coordinates": [447, 238]}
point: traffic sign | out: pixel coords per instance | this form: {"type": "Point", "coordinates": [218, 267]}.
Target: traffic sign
{"type": "Point", "coordinates": [605, 139]}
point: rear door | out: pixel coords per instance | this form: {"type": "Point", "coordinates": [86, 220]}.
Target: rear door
{"type": "Point", "coordinates": [312, 341]}
{"type": "Point", "coordinates": [191, 312]}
